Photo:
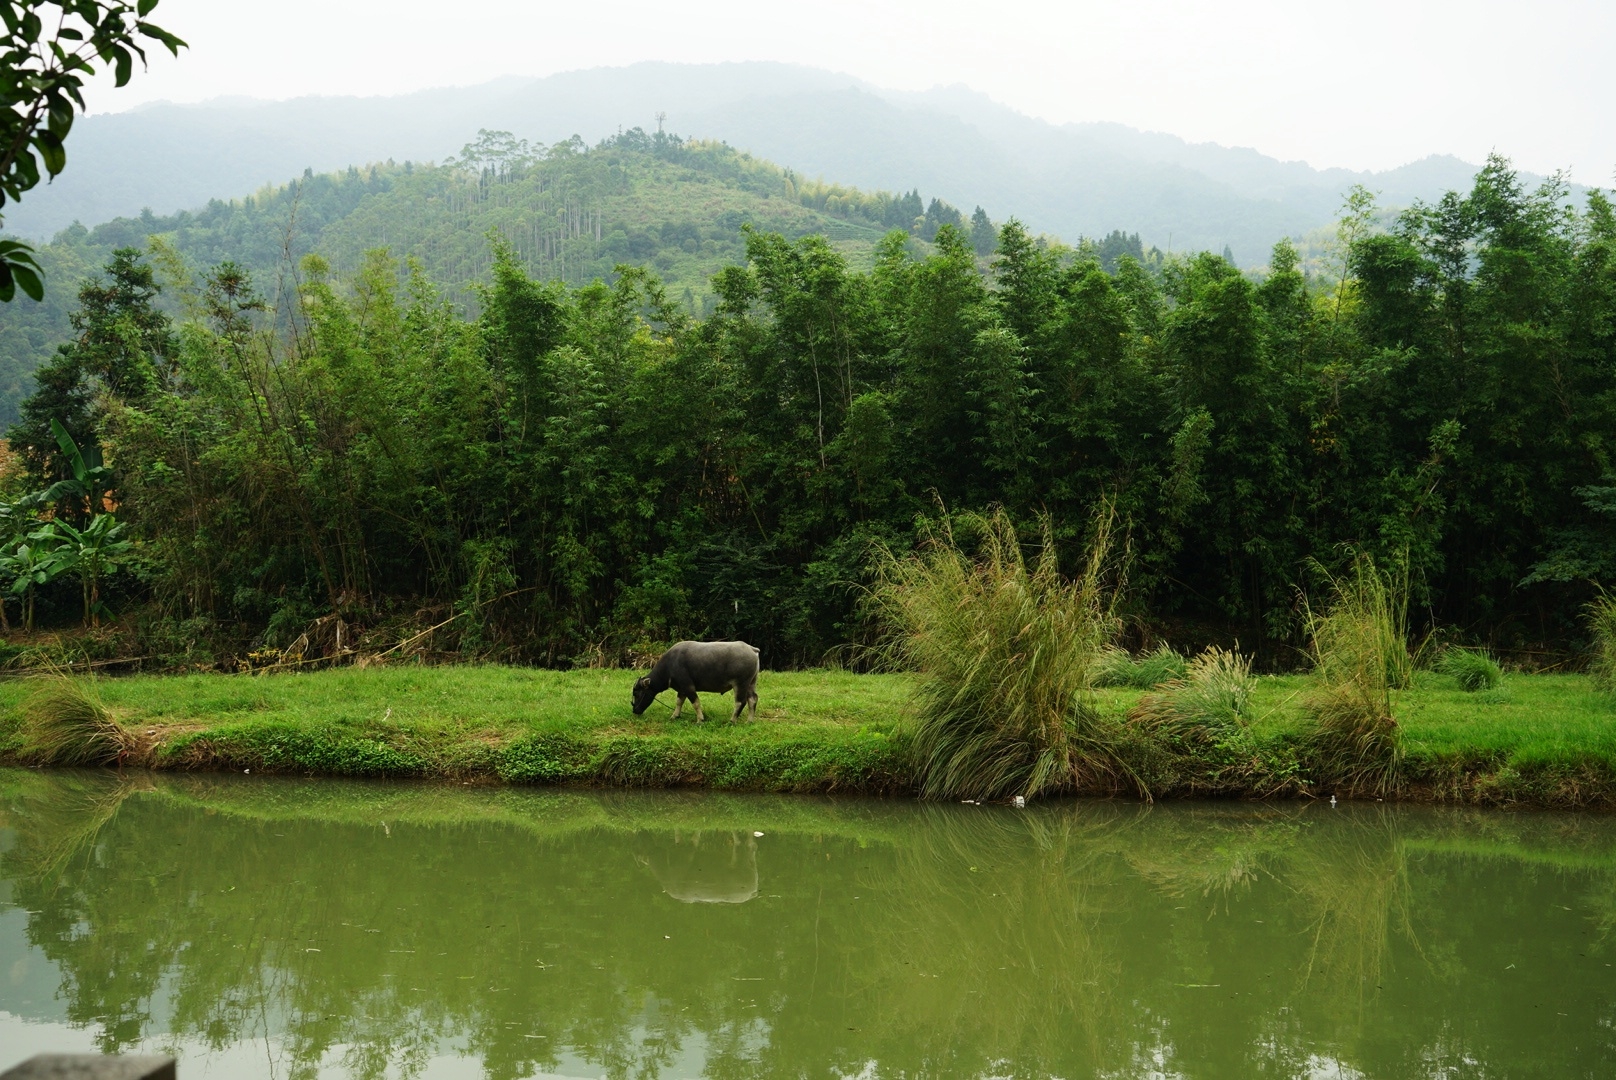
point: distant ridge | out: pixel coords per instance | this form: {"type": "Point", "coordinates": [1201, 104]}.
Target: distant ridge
{"type": "Point", "coordinates": [1071, 180]}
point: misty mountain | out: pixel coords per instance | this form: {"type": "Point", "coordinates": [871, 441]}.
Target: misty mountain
{"type": "Point", "coordinates": [1070, 181]}
{"type": "Point", "coordinates": [569, 212]}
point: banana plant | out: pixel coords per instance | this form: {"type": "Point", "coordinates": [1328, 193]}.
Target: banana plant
{"type": "Point", "coordinates": [89, 553]}
{"type": "Point", "coordinates": [28, 566]}
{"type": "Point", "coordinates": [91, 480]}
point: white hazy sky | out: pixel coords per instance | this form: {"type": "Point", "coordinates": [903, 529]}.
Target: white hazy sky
{"type": "Point", "coordinates": [1363, 84]}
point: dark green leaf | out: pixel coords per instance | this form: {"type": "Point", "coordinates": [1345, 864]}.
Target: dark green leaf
{"type": "Point", "coordinates": [28, 281]}
{"type": "Point", "coordinates": [52, 151]}
{"type": "Point", "coordinates": [70, 450]}
{"type": "Point", "coordinates": [159, 34]}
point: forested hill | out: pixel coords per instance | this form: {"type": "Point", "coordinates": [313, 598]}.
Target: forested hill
{"type": "Point", "coordinates": [589, 473]}
{"type": "Point", "coordinates": [1067, 181]}
{"type": "Point", "coordinates": [571, 213]}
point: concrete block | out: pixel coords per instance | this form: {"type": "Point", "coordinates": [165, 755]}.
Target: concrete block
{"type": "Point", "coordinates": [92, 1067]}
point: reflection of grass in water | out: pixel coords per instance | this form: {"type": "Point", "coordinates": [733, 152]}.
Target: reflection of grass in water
{"type": "Point", "coordinates": [66, 814]}
{"type": "Point", "coordinates": [1037, 971]}
{"type": "Point", "coordinates": [1041, 985]}
{"type": "Point", "coordinates": [1347, 872]}
{"type": "Point", "coordinates": [1180, 859]}
{"type": "Point", "coordinates": [1353, 882]}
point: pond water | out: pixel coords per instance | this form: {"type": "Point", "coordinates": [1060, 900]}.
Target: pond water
{"type": "Point", "coordinates": [288, 928]}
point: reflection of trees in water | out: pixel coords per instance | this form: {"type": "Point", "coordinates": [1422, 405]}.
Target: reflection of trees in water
{"type": "Point", "coordinates": [1071, 960]}
{"type": "Point", "coordinates": [141, 910]}
{"type": "Point", "coordinates": [982, 941]}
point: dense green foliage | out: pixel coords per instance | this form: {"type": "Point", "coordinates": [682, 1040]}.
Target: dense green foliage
{"type": "Point", "coordinates": [584, 473]}
{"type": "Point", "coordinates": [570, 213]}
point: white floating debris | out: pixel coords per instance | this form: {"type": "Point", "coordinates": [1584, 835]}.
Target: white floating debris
{"type": "Point", "coordinates": [757, 834]}
{"type": "Point", "coordinates": [1020, 802]}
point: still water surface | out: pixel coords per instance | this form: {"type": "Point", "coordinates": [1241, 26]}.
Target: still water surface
{"type": "Point", "coordinates": [283, 928]}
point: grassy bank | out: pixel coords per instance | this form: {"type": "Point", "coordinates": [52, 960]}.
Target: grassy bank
{"type": "Point", "coordinates": [816, 731]}
{"type": "Point", "coordinates": [1547, 740]}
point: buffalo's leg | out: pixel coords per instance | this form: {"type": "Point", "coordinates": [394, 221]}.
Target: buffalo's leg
{"type": "Point", "coordinates": [745, 698]}
{"type": "Point", "coordinates": [681, 707]}
{"type": "Point", "coordinates": [701, 717]}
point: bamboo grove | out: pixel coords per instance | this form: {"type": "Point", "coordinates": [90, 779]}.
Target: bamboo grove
{"type": "Point", "coordinates": [579, 474]}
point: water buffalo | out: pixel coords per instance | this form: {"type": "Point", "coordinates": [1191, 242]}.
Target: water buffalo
{"type": "Point", "coordinates": [711, 667]}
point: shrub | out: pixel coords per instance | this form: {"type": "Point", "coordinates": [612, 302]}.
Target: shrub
{"type": "Point", "coordinates": [1006, 655]}
{"type": "Point", "coordinates": [64, 723]}
{"type": "Point", "coordinates": [1473, 669]}
{"type": "Point", "coordinates": [1206, 704]}
{"type": "Point", "coordinates": [1117, 668]}
{"type": "Point", "coordinates": [1602, 626]}
{"type": "Point", "coordinates": [1360, 654]}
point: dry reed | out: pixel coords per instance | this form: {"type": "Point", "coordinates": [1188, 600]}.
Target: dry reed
{"type": "Point", "coordinates": [1602, 628]}
{"type": "Point", "coordinates": [65, 723]}
{"type": "Point", "coordinates": [1206, 705]}
{"type": "Point", "coordinates": [1360, 655]}
{"type": "Point", "coordinates": [1006, 652]}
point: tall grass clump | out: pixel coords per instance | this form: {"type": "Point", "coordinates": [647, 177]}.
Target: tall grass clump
{"type": "Point", "coordinates": [1472, 669]}
{"type": "Point", "coordinates": [1602, 627]}
{"type": "Point", "coordinates": [64, 723]}
{"type": "Point", "coordinates": [1152, 669]}
{"type": "Point", "coordinates": [1005, 651]}
{"type": "Point", "coordinates": [1206, 705]}
{"type": "Point", "coordinates": [1360, 655]}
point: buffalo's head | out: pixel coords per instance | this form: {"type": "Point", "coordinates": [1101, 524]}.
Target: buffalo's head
{"type": "Point", "coordinates": [643, 695]}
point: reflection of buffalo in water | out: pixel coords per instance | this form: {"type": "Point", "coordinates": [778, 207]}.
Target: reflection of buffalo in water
{"type": "Point", "coordinates": [703, 868]}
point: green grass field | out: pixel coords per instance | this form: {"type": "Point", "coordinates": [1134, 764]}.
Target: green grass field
{"type": "Point", "coordinates": [820, 730]}
{"type": "Point", "coordinates": [1540, 739]}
